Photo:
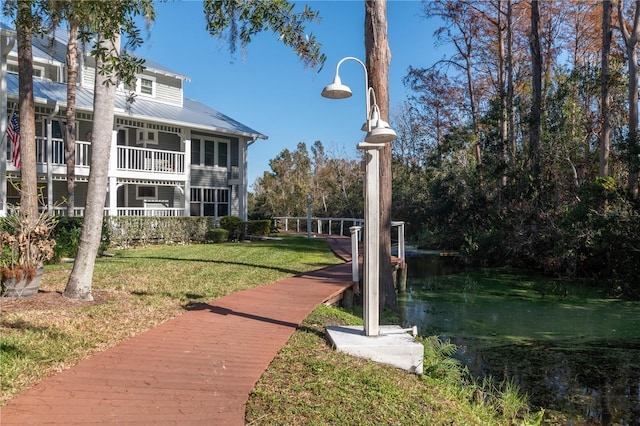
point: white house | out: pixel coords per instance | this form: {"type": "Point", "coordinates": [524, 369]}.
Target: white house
{"type": "Point", "coordinates": [170, 155]}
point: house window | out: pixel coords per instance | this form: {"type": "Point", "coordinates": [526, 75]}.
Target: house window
{"type": "Point", "coordinates": [222, 154]}
{"type": "Point", "coordinates": [211, 153]}
{"type": "Point", "coordinates": [195, 152]}
{"type": "Point", "coordinates": [147, 136]}
{"type": "Point", "coordinates": [147, 86]}
{"type": "Point", "coordinates": [12, 67]}
{"type": "Point", "coordinates": [222, 202]}
{"type": "Point", "coordinates": [146, 192]}
{"type": "Point", "coordinates": [209, 202]}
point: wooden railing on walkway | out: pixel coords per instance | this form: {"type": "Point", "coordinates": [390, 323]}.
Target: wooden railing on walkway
{"type": "Point", "coordinates": [336, 226]}
{"type": "Point", "coordinates": [319, 225]}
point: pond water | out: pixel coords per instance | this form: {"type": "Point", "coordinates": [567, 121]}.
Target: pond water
{"type": "Point", "coordinates": [572, 349]}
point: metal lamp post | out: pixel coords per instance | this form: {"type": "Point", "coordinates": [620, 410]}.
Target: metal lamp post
{"type": "Point", "coordinates": [309, 199]}
{"type": "Point", "coordinates": [379, 133]}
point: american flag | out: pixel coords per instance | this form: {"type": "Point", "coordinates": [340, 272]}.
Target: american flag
{"type": "Point", "coordinates": [13, 133]}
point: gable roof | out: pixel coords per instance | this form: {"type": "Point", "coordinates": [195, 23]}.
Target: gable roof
{"type": "Point", "coordinates": [192, 114]}
{"type": "Point", "coordinates": [52, 48]}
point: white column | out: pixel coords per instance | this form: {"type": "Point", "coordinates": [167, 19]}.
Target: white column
{"type": "Point", "coordinates": [355, 242]}
{"type": "Point", "coordinates": [244, 188]}
{"type": "Point", "coordinates": [308, 216]}
{"type": "Point", "coordinates": [371, 277]}
{"type": "Point", "coordinates": [401, 248]}
{"type": "Point", "coordinates": [113, 180]}
{"type": "Point", "coordinates": [49, 152]}
{"type": "Point", "coordinates": [399, 225]}
{"type": "Point", "coordinates": [6, 44]}
{"type": "Point", "coordinates": [187, 171]}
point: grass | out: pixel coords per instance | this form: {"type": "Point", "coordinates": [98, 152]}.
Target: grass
{"type": "Point", "coordinates": [307, 383]}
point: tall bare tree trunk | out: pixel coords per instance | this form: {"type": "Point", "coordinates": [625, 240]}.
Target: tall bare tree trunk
{"type": "Point", "coordinates": [79, 284]}
{"type": "Point", "coordinates": [378, 58]}
{"type": "Point", "coordinates": [28, 176]}
{"type": "Point", "coordinates": [70, 134]}
{"type": "Point", "coordinates": [474, 108]}
{"type": "Point", "coordinates": [631, 40]}
{"type": "Point", "coordinates": [605, 88]}
{"type": "Point", "coordinates": [510, 95]}
{"type": "Point", "coordinates": [536, 88]}
{"type": "Point", "coordinates": [502, 90]}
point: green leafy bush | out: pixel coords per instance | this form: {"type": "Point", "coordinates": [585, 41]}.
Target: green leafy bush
{"type": "Point", "coordinates": [67, 236]}
{"type": "Point", "coordinates": [126, 231]}
{"type": "Point", "coordinates": [217, 235]}
{"type": "Point", "coordinates": [259, 228]}
{"type": "Point", "coordinates": [234, 225]}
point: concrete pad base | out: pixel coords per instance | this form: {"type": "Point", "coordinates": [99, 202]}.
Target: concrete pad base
{"type": "Point", "coordinates": [392, 346]}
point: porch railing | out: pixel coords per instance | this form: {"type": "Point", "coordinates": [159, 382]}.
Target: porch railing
{"type": "Point", "coordinates": [323, 225]}
{"type": "Point", "coordinates": [62, 211]}
{"type": "Point", "coordinates": [150, 160]}
{"type": "Point", "coordinates": [128, 211]}
{"type": "Point", "coordinates": [129, 158]}
{"type": "Point", "coordinates": [329, 226]}
{"type": "Point", "coordinates": [163, 212]}
{"type": "Point", "coordinates": [82, 153]}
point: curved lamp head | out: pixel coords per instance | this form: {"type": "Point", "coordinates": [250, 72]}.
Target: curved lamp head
{"type": "Point", "coordinates": [378, 130]}
{"type": "Point", "coordinates": [382, 133]}
{"type": "Point", "coordinates": [336, 90]}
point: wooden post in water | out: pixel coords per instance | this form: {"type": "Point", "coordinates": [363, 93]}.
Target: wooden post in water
{"type": "Point", "coordinates": [402, 279]}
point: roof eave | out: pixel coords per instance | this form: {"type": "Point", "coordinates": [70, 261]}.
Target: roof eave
{"type": "Point", "coordinates": [177, 123]}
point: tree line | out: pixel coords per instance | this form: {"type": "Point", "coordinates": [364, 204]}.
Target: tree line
{"type": "Point", "coordinates": [521, 147]}
{"type": "Point", "coordinates": [333, 182]}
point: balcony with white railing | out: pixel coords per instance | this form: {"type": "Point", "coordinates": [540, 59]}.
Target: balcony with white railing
{"type": "Point", "coordinates": [128, 211]}
{"type": "Point", "coordinates": [134, 159]}
{"type": "Point", "coordinates": [154, 211]}
{"type": "Point", "coordinates": [82, 155]}
{"type": "Point", "coordinates": [152, 162]}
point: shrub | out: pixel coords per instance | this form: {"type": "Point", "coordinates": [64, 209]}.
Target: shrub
{"type": "Point", "coordinates": [126, 231]}
{"type": "Point", "coordinates": [234, 225]}
{"type": "Point", "coordinates": [259, 228]}
{"type": "Point", "coordinates": [217, 235]}
{"type": "Point", "coordinates": [67, 236]}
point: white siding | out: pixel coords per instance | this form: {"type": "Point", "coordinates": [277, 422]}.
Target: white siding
{"type": "Point", "coordinates": [169, 89]}
{"type": "Point", "coordinates": [88, 72]}
{"type": "Point", "coordinates": [208, 177]}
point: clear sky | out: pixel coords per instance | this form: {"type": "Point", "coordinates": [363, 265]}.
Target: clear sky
{"type": "Point", "coordinates": [268, 89]}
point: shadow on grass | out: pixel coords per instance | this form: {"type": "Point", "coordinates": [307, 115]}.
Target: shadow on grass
{"type": "Point", "coordinates": [222, 262]}
{"type": "Point", "coordinates": [47, 332]}
{"type": "Point", "coordinates": [313, 266]}
{"type": "Point", "coordinates": [310, 330]}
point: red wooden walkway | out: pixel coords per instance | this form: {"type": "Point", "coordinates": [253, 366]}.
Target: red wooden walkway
{"type": "Point", "coordinates": [198, 368]}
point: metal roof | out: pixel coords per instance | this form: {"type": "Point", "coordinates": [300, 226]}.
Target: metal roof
{"type": "Point", "coordinates": [192, 114]}
{"type": "Point", "coordinates": [52, 47]}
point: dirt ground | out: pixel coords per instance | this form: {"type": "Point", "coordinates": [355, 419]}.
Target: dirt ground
{"type": "Point", "coordinates": [46, 300]}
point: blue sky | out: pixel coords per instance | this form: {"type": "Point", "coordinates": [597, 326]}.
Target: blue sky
{"type": "Point", "coordinates": [268, 88]}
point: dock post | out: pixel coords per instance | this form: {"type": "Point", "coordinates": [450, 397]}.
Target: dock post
{"type": "Point", "coordinates": [355, 256]}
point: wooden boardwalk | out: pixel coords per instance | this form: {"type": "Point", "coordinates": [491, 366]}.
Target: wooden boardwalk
{"type": "Point", "coordinates": [198, 368]}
